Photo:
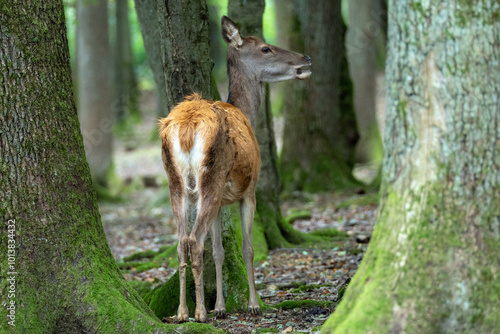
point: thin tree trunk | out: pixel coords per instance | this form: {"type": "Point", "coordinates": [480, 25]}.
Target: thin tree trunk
{"type": "Point", "coordinates": [365, 25]}
{"type": "Point", "coordinates": [94, 86]}
{"type": "Point", "coordinates": [126, 90]}
{"type": "Point", "coordinates": [60, 274]}
{"type": "Point", "coordinates": [432, 265]}
{"type": "Point", "coordinates": [320, 128]}
{"type": "Point", "coordinates": [148, 20]}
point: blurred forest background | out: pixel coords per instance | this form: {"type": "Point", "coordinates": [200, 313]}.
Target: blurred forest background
{"type": "Point", "coordinates": [118, 97]}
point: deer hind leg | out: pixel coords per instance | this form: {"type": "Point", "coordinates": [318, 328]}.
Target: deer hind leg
{"type": "Point", "coordinates": [180, 208]}
{"type": "Point", "coordinates": [247, 210]}
{"type": "Point", "coordinates": [208, 208]}
{"type": "Point", "coordinates": [218, 253]}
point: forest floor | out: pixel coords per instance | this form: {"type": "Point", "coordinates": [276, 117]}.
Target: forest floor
{"type": "Point", "coordinates": [301, 285]}
{"type": "Point", "coordinates": [287, 277]}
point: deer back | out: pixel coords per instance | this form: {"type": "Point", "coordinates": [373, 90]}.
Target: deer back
{"type": "Point", "coordinates": [209, 146]}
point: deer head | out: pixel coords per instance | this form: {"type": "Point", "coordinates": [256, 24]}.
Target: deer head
{"type": "Point", "coordinates": [262, 61]}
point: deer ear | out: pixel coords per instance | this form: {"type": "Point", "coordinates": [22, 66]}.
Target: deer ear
{"type": "Point", "coordinates": [230, 32]}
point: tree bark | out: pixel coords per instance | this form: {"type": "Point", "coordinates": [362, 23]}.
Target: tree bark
{"type": "Point", "coordinates": [126, 90]}
{"type": "Point", "coordinates": [432, 265]}
{"type": "Point", "coordinates": [59, 275]}
{"type": "Point", "coordinates": [365, 24]}
{"type": "Point", "coordinates": [150, 30]}
{"type": "Point", "coordinates": [320, 128]}
{"type": "Point", "coordinates": [94, 86]}
{"type": "Point", "coordinates": [185, 50]}
{"type": "Point", "coordinates": [187, 66]}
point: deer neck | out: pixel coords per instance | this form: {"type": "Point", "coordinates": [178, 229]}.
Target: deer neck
{"type": "Point", "coordinates": [245, 90]}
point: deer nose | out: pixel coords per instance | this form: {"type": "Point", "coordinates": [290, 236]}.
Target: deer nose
{"type": "Point", "coordinates": [307, 58]}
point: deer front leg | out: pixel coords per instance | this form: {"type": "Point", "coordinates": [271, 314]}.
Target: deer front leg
{"type": "Point", "coordinates": [218, 253]}
{"type": "Point", "coordinates": [247, 210]}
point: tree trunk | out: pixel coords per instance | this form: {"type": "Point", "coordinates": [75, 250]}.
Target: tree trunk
{"type": "Point", "coordinates": [320, 129]}
{"type": "Point", "coordinates": [432, 265]}
{"type": "Point", "coordinates": [185, 50]}
{"type": "Point", "coordinates": [57, 273]}
{"type": "Point", "coordinates": [126, 90]}
{"type": "Point", "coordinates": [190, 48]}
{"type": "Point", "coordinates": [150, 30]}
{"type": "Point", "coordinates": [365, 24]}
{"type": "Point", "coordinates": [94, 87]}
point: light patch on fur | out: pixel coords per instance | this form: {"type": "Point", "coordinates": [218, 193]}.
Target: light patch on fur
{"type": "Point", "coordinates": [189, 163]}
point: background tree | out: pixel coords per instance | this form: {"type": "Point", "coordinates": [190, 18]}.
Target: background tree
{"type": "Point", "coordinates": [126, 90]}
{"type": "Point", "coordinates": [67, 279]}
{"type": "Point", "coordinates": [432, 265]}
{"type": "Point", "coordinates": [320, 127]}
{"type": "Point", "coordinates": [148, 20]}
{"type": "Point", "coordinates": [94, 86]}
{"type": "Point", "coordinates": [187, 65]}
{"type": "Point", "coordinates": [365, 26]}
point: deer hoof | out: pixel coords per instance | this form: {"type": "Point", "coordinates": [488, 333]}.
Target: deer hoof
{"type": "Point", "coordinates": [254, 310]}
{"type": "Point", "coordinates": [200, 316]}
{"type": "Point", "coordinates": [221, 313]}
{"type": "Point", "coordinates": [182, 315]}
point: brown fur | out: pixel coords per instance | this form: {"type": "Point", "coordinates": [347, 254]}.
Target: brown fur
{"type": "Point", "coordinates": [235, 149]}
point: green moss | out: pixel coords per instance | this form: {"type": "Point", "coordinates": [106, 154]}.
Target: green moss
{"type": "Point", "coordinates": [164, 299]}
{"type": "Point", "coordinates": [330, 234]}
{"type": "Point", "coordinates": [363, 200]}
{"type": "Point", "coordinates": [298, 215]}
{"type": "Point", "coordinates": [147, 254]}
{"type": "Point", "coordinates": [167, 255]}
{"type": "Point", "coordinates": [142, 288]}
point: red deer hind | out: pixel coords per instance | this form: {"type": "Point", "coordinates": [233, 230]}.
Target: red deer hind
{"type": "Point", "coordinates": [212, 159]}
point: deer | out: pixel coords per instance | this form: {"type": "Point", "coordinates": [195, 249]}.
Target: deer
{"type": "Point", "coordinates": [211, 158]}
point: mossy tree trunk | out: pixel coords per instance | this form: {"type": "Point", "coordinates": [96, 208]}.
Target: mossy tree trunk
{"type": "Point", "coordinates": [60, 275]}
{"type": "Point", "coordinates": [187, 65]}
{"type": "Point", "coordinates": [432, 265]}
{"type": "Point", "coordinates": [94, 86]}
{"type": "Point", "coordinates": [320, 127]}
{"type": "Point", "coordinates": [126, 90]}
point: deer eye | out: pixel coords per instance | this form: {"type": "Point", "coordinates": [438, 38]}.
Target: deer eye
{"type": "Point", "coordinates": [265, 49]}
